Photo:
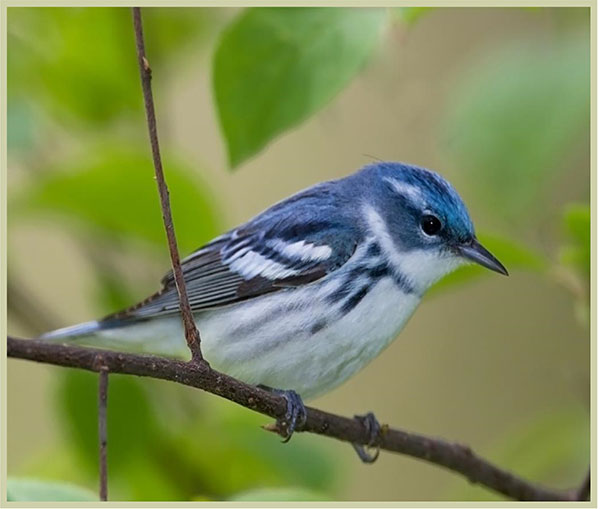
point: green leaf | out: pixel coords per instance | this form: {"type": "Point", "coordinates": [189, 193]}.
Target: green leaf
{"type": "Point", "coordinates": [279, 495]}
{"type": "Point", "coordinates": [274, 67]}
{"type": "Point", "coordinates": [513, 255]}
{"type": "Point", "coordinates": [514, 118]}
{"type": "Point", "coordinates": [35, 490]}
{"type": "Point", "coordinates": [112, 191]}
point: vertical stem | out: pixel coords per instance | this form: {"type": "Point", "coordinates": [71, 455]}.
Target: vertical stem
{"type": "Point", "coordinates": [192, 336]}
{"type": "Point", "coordinates": [102, 396]}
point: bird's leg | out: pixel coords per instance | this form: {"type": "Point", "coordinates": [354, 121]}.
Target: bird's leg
{"type": "Point", "coordinates": [296, 411]}
{"type": "Point", "coordinates": [369, 421]}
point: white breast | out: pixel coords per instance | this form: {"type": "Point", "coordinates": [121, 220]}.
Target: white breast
{"type": "Point", "coordinates": [284, 353]}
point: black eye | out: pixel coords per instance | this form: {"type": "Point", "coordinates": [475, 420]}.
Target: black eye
{"type": "Point", "coordinates": [430, 224]}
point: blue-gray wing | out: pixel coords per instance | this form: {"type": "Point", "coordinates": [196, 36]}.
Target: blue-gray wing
{"type": "Point", "coordinates": [294, 243]}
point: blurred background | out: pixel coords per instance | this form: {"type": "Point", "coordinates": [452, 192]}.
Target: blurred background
{"type": "Point", "coordinates": [254, 105]}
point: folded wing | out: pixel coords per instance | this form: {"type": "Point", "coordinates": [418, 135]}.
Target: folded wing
{"type": "Point", "coordinates": [296, 242]}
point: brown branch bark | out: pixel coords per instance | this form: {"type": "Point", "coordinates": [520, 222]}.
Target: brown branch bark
{"type": "Point", "coordinates": [456, 457]}
{"type": "Point", "coordinates": [102, 439]}
{"type": "Point", "coordinates": [192, 336]}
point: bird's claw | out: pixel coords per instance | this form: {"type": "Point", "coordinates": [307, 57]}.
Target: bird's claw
{"type": "Point", "coordinates": [295, 415]}
{"type": "Point", "coordinates": [369, 421]}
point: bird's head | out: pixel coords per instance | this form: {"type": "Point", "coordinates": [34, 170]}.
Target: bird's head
{"type": "Point", "coordinates": [427, 221]}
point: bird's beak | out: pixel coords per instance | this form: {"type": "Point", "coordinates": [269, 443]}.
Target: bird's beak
{"type": "Point", "coordinates": [475, 252]}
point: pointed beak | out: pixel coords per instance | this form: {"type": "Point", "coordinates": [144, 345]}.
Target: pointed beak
{"type": "Point", "coordinates": [475, 252]}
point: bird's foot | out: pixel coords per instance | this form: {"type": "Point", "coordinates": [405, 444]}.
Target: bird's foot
{"type": "Point", "coordinates": [295, 415]}
{"type": "Point", "coordinates": [373, 429]}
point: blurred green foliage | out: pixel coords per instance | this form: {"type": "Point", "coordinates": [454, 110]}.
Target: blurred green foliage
{"type": "Point", "coordinates": [111, 189]}
{"type": "Point", "coordinates": [410, 15]}
{"type": "Point", "coordinates": [273, 67]}
{"type": "Point", "coordinates": [512, 254]}
{"type": "Point", "coordinates": [57, 46]}
{"type": "Point", "coordinates": [279, 495]}
{"type": "Point", "coordinates": [169, 443]}
{"type": "Point", "coordinates": [574, 257]}
{"type": "Point", "coordinates": [577, 228]}
{"type": "Point", "coordinates": [514, 115]}
{"type": "Point", "coordinates": [34, 490]}
{"type": "Point", "coordinates": [553, 448]}
{"type": "Point", "coordinates": [129, 437]}
{"type": "Point", "coordinates": [99, 88]}
{"type": "Point", "coordinates": [510, 121]}
{"type": "Point", "coordinates": [21, 126]}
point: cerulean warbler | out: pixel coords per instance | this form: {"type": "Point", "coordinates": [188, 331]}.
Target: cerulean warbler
{"type": "Point", "coordinates": [309, 291]}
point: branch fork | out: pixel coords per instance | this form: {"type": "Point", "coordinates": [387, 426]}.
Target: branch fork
{"type": "Point", "coordinates": [192, 336]}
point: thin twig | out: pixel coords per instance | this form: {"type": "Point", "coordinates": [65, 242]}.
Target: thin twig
{"type": "Point", "coordinates": [455, 457]}
{"type": "Point", "coordinates": [192, 336]}
{"type": "Point", "coordinates": [102, 396]}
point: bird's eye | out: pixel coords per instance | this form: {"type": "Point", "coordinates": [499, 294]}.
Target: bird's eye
{"type": "Point", "coordinates": [430, 224]}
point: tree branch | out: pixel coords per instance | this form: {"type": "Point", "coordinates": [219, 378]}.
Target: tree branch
{"type": "Point", "coordinates": [455, 457]}
{"type": "Point", "coordinates": [102, 397]}
{"type": "Point", "coordinates": [192, 336]}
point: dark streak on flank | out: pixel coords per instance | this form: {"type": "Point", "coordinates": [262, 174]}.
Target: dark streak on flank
{"type": "Point", "coordinates": [319, 325]}
{"type": "Point", "coordinates": [375, 274]}
{"type": "Point", "coordinates": [402, 281]}
{"type": "Point", "coordinates": [379, 271]}
{"type": "Point", "coordinates": [355, 299]}
{"type": "Point", "coordinates": [357, 271]}
{"type": "Point", "coordinates": [341, 293]}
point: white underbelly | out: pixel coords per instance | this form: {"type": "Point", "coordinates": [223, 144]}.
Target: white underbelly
{"type": "Point", "coordinates": [284, 353]}
{"type": "Point", "coordinates": [272, 340]}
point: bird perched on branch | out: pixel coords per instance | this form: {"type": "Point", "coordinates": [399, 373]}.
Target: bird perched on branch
{"type": "Point", "coordinates": [305, 294]}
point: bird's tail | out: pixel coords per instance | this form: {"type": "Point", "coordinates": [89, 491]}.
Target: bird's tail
{"type": "Point", "coordinates": [73, 333]}
{"type": "Point", "coordinates": [162, 336]}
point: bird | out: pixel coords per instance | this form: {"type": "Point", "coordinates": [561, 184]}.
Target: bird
{"type": "Point", "coordinates": [302, 296]}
